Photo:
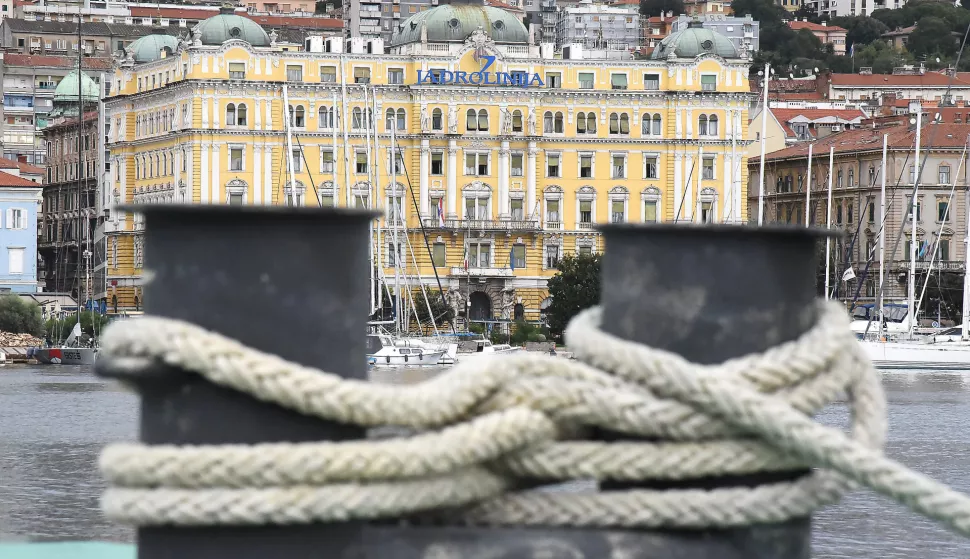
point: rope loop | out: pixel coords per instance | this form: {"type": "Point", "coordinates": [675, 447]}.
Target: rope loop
{"type": "Point", "coordinates": [490, 424]}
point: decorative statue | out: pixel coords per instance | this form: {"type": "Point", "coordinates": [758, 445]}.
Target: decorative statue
{"type": "Point", "coordinates": [507, 121]}
{"type": "Point", "coordinates": [532, 122]}
{"type": "Point", "coordinates": [453, 120]}
{"type": "Point", "coordinates": [425, 124]}
{"type": "Point", "coordinates": [196, 37]}
{"type": "Point", "coordinates": [455, 300]}
{"type": "Point", "coordinates": [273, 35]}
{"type": "Point", "coordinates": [508, 303]}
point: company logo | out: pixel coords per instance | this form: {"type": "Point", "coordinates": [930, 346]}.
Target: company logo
{"type": "Point", "coordinates": [481, 77]}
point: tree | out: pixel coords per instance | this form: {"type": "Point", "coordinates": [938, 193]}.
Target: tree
{"type": "Point", "coordinates": [442, 312]}
{"type": "Point", "coordinates": [92, 324]}
{"type": "Point", "coordinates": [860, 30]}
{"type": "Point", "coordinates": [19, 316]}
{"type": "Point", "coordinates": [661, 7]}
{"type": "Point", "coordinates": [575, 286]}
{"type": "Point", "coordinates": [932, 38]}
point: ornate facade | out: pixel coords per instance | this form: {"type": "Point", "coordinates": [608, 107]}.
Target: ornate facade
{"type": "Point", "coordinates": [508, 156]}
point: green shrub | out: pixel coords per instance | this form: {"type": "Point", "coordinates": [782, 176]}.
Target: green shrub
{"type": "Point", "coordinates": [20, 316]}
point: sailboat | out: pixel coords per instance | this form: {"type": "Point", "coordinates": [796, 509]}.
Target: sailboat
{"type": "Point", "coordinates": [72, 352]}
{"type": "Point", "coordinates": [895, 346]}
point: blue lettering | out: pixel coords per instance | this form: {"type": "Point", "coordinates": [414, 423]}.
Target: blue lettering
{"type": "Point", "coordinates": [536, 80]}
{"type": "Point", "coordinates": [487, 80]}
{"type": "Point", "coordinates": [475, 78]}
{"type": "Point", "coordinates": [447, 76]}
{"type": "Point", "coordinates": [516, 79]}
{"type": "Point", "coordinates": [461, 77]}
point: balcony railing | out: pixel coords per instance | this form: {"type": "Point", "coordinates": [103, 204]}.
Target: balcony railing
{"type": "Point", "coordinates": [586, 225]}
{"type": "Point", "coordinates": [482, 272]}
{"type": "Point", "coordinates": [484, 224]}
{"type": "Point", "coordinates": [953, 265]}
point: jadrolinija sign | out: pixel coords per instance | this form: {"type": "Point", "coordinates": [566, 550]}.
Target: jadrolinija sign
{"type": "Point", "coordinates": [481, 77]}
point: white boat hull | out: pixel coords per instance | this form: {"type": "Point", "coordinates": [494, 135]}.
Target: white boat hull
{"type": "Point", "coordinates": [937, 357]}
{"type": "Point", "coordinates": [65, 355]}
{"type": "Point", "coordinates": [425, 359]}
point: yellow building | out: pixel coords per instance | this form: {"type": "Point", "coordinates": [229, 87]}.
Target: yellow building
{"type": "Point", "coordinates": [510, 154]}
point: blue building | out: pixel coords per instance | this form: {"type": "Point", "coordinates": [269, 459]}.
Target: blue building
{"type": "Point", "coordinates": [19, 202]}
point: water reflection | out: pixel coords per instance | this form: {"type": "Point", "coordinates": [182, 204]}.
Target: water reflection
{"type": "Point", "coordinates": [54, 421]}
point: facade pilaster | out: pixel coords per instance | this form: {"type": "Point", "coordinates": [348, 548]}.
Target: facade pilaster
{"type": "Point", "coordinates": [452, 179]}
{"type": "Point", "coordinates": [425, 172]}
{"type": "Point", "coordinates": [530, 185]}
{"type": "Point", "coordinates": [504, 210]}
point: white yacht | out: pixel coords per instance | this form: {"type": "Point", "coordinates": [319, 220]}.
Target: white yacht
{"type": "Point", "coordinates": [398, 352]}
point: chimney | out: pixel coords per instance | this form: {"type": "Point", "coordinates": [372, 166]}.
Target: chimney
{"type": "Point", "coordinates": [824, 23]}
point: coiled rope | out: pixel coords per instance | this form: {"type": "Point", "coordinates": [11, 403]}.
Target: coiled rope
{"type": "Point", "coordinates": [489, 425]}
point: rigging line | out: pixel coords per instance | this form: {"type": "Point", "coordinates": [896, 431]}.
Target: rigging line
{"type": "Point", "coordinates": [946, 97]}
{"type": "Point", "coordinates": [424, 233]}
{"type": "Point", "coordinates": [686, 189]}
{"type": "Point", "coordinates": [308, 173]}
{"type": "Point", "coordinates": [849, 250]}
{"type": "Point", "coordinates": [939, 235]}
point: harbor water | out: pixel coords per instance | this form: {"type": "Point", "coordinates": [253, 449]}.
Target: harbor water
{"type": "Point", "coordinates": [54, 421]}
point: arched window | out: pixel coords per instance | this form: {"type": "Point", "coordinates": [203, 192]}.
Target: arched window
{"type": "Point", "coordinates": [401, 119]}
{"type": "Point", "coordinates": [712, 125]}
{"type": "Point", "coordinates": [325, 117]}
{"type": "Point", "coordinates": [559, 128]}
{"type": "Point", "coordinates": [389, 119]}
{"type": "Point", "coordinates": [241, 115]}
{"type": "Point", "coordinates": [483, 120]}
{"type": "Point", "coordinates": [619, 123]}
{"type": "Point", "coordinates": [645, 124]}
{"type": "Point", "coordinates": [657, 128]}
{"type": "Point", "coordinates": [586, 123]}
{"type": "Point", "coordinates": [164, 167]}
{"type": "Point", "coordinates": [297, 116]}
{"type": "Point", "coordinates": [702, 125]}
{"type": "Point", "coordinates": [547, 122]}
{"type": "Point", "coordinates": [230, 114]}
{"type": "Point", "coordinates": [357, 118]}
{"type": "Point", "coordinates": [471, 120]}
{"type": "Point", "coordinates": [517, 121]}
{"type": "Point", "coordinates": [437, 121]}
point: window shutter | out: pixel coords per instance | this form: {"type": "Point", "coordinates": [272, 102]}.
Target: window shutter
{"type": "Point", "coordinates": [9, 219]}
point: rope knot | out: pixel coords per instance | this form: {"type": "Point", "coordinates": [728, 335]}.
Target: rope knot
{"type": "Point", "coordinates": [488, 424]}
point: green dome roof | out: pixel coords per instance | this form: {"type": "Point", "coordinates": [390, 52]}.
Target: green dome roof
{"type": "Point", "coordinates": [149, 47]}
{"type": "Point", "coordinates": [455, 22]}
{"type": "Point", "coordinates": [694, 41]}
{"type": "Point", "coordinates": [67, 90]}
{"type": "Point", "coordinates": [223, 27]}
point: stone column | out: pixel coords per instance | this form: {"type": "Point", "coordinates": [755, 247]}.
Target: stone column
{"type": "Point", "coordinates": [530, 186]}
{"type": "Point", "coordinates": [678, 185]}
{"type": "Point", "coordinates": [425, 171]}
{"type": "Point", "coordinates": [503, 182]}
{"type": "Point", "coordinates": [452, 179]}
{"type": "Point", "coordinates": [216, 197]}
{"type": "Point", "coordinates": [204, 183]}
{"type": "Point", "coordinates": [257, 197]}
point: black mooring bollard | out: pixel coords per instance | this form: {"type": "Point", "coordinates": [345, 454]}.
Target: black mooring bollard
{"type": "Point", "coordinates": [294, 283]}
{"type": "Point", "coordinates": [289, 281]}
{"type": "Point", "coordinates": [710, 293]}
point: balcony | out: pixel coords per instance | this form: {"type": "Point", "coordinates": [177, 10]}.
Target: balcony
{"type": "Point", "coordinates": [586, 226]}
{"type": "Point", "coordinates": [482, 272]}
{"type": "Point", "coordinates": [923, 265]}
{"type": "Point", "coordinates": [484, 224]}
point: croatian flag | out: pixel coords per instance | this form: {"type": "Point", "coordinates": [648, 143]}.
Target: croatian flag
{"type": "Point", "coordinates": [441, 212]}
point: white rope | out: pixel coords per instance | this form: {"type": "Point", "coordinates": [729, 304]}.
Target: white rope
{"type": "Point", "coordinates": [490, 424]}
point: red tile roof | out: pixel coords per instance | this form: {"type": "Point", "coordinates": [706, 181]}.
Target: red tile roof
{"type": "Point", "coordinates": [301, 22]}
{"type": "Point", "coordinates": [785, 116]}
{"type": "Point", "coordinates": [13, 181]}
{"type": "Point", "coordinates": [796, 25]}
{"type": "Point", "coordinates": [297, 22]}
{"type": "Point", "coordinates": [901, 137]}
{"type": "Point", "coordinates": [24, 167]}
{"type": "Point", "coordinates": [175, 13]}
{"type": "Point", "coordinates": [929, 79]}
{"type": "Point", "coordinates": [503, 6]}
{"type": "Point", "coordinates": [44, 61]}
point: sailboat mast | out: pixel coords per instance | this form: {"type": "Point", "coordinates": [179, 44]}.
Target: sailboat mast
{"type": "Point", "coordinates": [966, 273]}
{"type": "Point", "coordinates": [882, 234]}
{"type": "Point", "coordinates": [289, 142]}
{"type": "Point", "coordinates": [828, 224]}
{"type": "Point", "coordinates": [764, 132]}
{"type": "Point", "coordinates": [80, 171]}
{"type": "Point", "coordinates": [808, 189]}
{"type": "Point", "coordinates": [912, 311]}
{"type": "Point", "coordinates": [373, 194]}
{"type": "Point", "coordinates": [377, 179]}
{"type": "Point", "coordinates": [395, 213]}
